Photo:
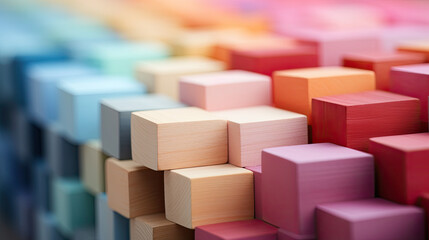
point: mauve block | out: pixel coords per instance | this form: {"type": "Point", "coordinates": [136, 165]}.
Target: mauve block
{"type": "Point", "coordinates": [424, 203]}
{"type": "Point", "coordinates": [285, 235]}
{"type": "Point", "coordinates": [257, 182]}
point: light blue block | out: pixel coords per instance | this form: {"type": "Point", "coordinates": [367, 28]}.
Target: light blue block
{"type": "Point", "coordinates": [47, 227]}
{"type": "Point", "coordinates": [104, 220]}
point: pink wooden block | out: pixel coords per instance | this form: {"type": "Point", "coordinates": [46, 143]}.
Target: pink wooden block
{"type": "Point", "coordinates": [369, 219]}
{"type": "Point", "coordinates": [297, 178]}
{"type": "Point", "coordinates": [257, 180]}
{"type": "Point", "coordinates": [240, 230]}
{"type": "Point", "coordinates": [225, 90]}
{"type": "Point", "coordinates": [285, 235]}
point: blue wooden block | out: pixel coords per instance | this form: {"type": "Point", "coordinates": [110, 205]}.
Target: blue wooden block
{"type": "Point", "coordinates": [41, 186]}
{"type": "Point", "coordinates": [121, 227]}
{"type": "Point", "coordinates": [115, 120]}
{"type": "Point", "coordinates": [84, 234]}
{"type": "Point", "coordinates": [79, 111]}
{"type": "Point", "coordinates": [104, 220]}
{"type": "Point", "coordinates": [47, 227]}
{"type": "Point", "coordinates": [24, 214]}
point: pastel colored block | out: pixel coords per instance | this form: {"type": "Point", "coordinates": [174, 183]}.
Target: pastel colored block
{"type": "Point", "coordinates": [369, 219]}
{"type": "Point", "coordinates": [178, 138]}
{"type": "Point", "coordinates": [252, 129]}
{"type": "Point", "coordinates": [116, 120]}
{"type": "Point", "coordinates": [41, 186]}
{"type": "Point", "coordinates": [239, 230]}
{"type": "Point", "coordinates": [380, 63]}
{"type": "Point", "coordinates": [421, 46]}
{"type": "Point", "coordinates": [294, 89]}
{"type": "Point", "coordinates": [162, 76]}
{"type": "Point", "coordinates": [92, 162]}
{"type": "Point", "coordinates": [132, 189]}
{"type": "Point", "coordinates": [84, 234]}
{"type": "Point", "coordinates": [224, 90]}
{"type": "Point", "coordinates": [79, 113]}
{"type": "Point", "coordinates": [401, 166]}
{"type": "Point", "coordinates": [197, 196]}
{"type": "Point", "coordinates": [156, 226]}
{"type": "Point", "coordinates": [104, 224]}
{"type": "Point", "coordinates": [257, 188]}
{"type": "Point", "coordinates": [297, 178]}
{"type": "Point", "coordinates": [350, 120]}
{"type": "Point", "coordinates": [285, 235]}
{"type": "Point", "coordinates": [47, 227]}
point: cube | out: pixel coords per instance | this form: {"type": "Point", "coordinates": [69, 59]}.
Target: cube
{"type": "Point", "coordinates": [178, 138]}
{"type": "Point", "coordinates": [294, 89]}
{"type": "Point", "coordinates": [224, 90]}
{"type": "Point", "coordinates": [257, 188]}
{"type": "Point", "coordinates": [421, 46]}
{"type": "Point", "coordinates": [252, 129]}
{"type": "Point", "coordinates": [207, 195]}
{"type": "Point", "coordinates": [92, 162]}
{"type": "Point", "coordinates": [297, 178]}
{"type": "Point", "coordinates": [369, 219]}
{"type": "Point", "coordinates": [350, 120]}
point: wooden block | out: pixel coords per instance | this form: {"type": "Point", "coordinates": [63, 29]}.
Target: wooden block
{"type": "Point", "coordinates": [369, 219]}
{"type": "Point", "coordinates": [116, 120]}
{"type": "Point", "coordinates": [162, 76]}
{"type": "Point", "coordinates": [294, 89]}
{"type": "Point", "coordinates": [47, 227]}
{"type": "Point", "coordinates": [84, 234]}
{"type": "Point", "coordinates": [257, 189]}
{"type": "Point", "coordinates": [380, 63]}
{"type": "Point", "coordinates": [121, 227]}
{"type": "Point", "coordinates": [252, 129]}
{"type": "Point", "coordinates": [132, 189]}
{"type": "Point", "coordinates": [351, 120]}
{"type": "Point", "coordinates": [285, 235]}
{"type": "Point", "coordinates": [92, 161]}
{"type": "Point", "coordinates": [198, 196]}
{"type": "Point", "coordinates": [157, 227]}
{"type": "Point", "coordinates": [24, 215]}
{"type": "Point", "coordinates": [424, 203]}
{"type": "Point", "coordinates": [41, 186]}
{"type": "Point", "coordinates": [224, 90]}
{"type": "Point", "coordinates": [239, 230]}
{"type": "Point", "coordinates": [421, 46]}
{"type": "Point", "coordinates": [178, 138]}
{"type": "Point", "coordinates": [293, 176]}
{"type": "Point", "coordinates": [401, 166]}
{"type": "Point", "coordinates": [104, 219]}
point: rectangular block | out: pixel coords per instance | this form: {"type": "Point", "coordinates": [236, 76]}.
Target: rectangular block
{"type": "Point", "coordinates": [104, 219]}
{"type": "Point", "coordinates": [84, 234]}
{"type": "Point", "coordinates": [121, 227]}
{"type": "Point", "coordinates": [252, 129]}
{"type": "Point", "coordinates": [421, 46]}
{"type": "Point", "coordinates": [92, 162]}
{"type": "Point", "coordinates": [257, 189]}
{"type": "Point", "coordinates": [224, 90]}
{"type": "Point", "coordinates": [207, 195]}
{"type": "Point", "coordinates": [41, 185]}
{"type": "Point", "coordinates": [297, 178]}
{"type": "Point", "coordinates": [132, 189]}
{"type": "Point", "coordinates": [351, 120]}
{"type": "Point", "coordinates": [24, 214]}
{"type": "Point", "coordinates": [47, 227]}
{"type": "Point", "coordinates": [178, 138]}
{"type": "Point", "coordinates": [424, 203]}
{"type": "Point", "coordinates": [285, 235]}
{"type": "Point", "coordinates": [294, 89]}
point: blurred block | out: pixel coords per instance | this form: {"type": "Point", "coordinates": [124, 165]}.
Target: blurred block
{"type": "Point", "coordinates": [84, 234]}
{"type": "Point", "coordinates": [424, 203]}
{"type": "Point", "coordinates": [416, 47]}
{"type": "Point", "coordinates": [351, 119]}
{"type": "Point", "coordinates": [47, 227]}
{"type": "Point", "coordinates": [178, 138]}
{"type": "Point", "coordinates": [252, 129]}
{"type": "Point", "coordinates": [398, 34]}
{"type": "Point", "coordinates": [132, 189]}
{"type": "Point", "coordinates": [380, 63]}
{"type": "Point", "coordinates": [92, 161]}
{"type": "Point", "coordinates": [285, 235]}
{"type": "Point", "coordinates": [116, 120]}
{"type": "Point", "coordinates": [224, 90]}
{"type": "Point", "coordinates": [83, 98]}
{"type": "Point", "coordinates": [401, 166]}
{"type": "Point", "coordinates": [239, 230]}
{"type": "Point", "coordinates": [257, 188]}
{"type": "Point", "coordinates": [197, 196]}
{"type": "Point", "coordinates": [24, 215]}
{"type": "Point", "coordinates": [157, 227]}
{"type": "Point", "coordinates": [297, 178]}
{"type": "Point", "coordinates": [41, 186]}
{"type": "Point", "coordinates": [121, 227]}
{"type": "Point", "coordinates": [73, 206]}
{"type": "Point", "coordinates": [369, 219]}
{"type": "Point", "coordinates": [294, 89]}
{"type": "Point", "coordinates": [104, 219]}
{"type": "Point", "coordinates": [162, 76]}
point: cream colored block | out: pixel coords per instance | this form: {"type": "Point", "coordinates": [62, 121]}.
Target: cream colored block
{"type": "Point", "coordinates": [92, 161]}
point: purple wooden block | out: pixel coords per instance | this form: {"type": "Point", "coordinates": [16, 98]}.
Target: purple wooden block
{"type": "Point", "coordinates": [369, 219]}
{"type": "Point", "coordinates": [257, 176]}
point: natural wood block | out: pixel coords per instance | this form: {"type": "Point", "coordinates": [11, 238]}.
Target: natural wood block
{"type": "Point", "coordinates": [157, 227]}
{"type": "Point", "coordinates": [207, 195]}
{"type": "Point", "coordinates": [252, 129]}
{"type": "Point", "coordinates": [380, 63]}
{"type": "Point", "coordinates": [294, 89]}
{"type": "Point", "coordinates": [178, 138]}
{"type": "Point", "coordinates": [369, 219]}
{"type": "Point", "coordinates": [224, 90]}
{"type": "Point", "coordinates": [257, 189]}
{"type": "Point", "coordinates": [92, 161]}
{"type": "Point", "coordinates": [132, 189]}
{"type": "Point", "coordinates": [421, 46]}
{"type": "Point", "coordinates": [162, 76]}
{"type": "Point", "coordinates": [297, 178]}
{"type": "Point", "coordinates": [351, 120]}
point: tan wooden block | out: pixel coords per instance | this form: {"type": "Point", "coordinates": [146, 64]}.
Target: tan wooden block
{"type": "Point", "coordinates": [207, 195]}
{"type": "Point", "coordinates": [132, 189]}
{"type": "Point", "coordinates": [92, 166]}
{"type": "Point", "coordinates": [178, 138]}
{"type": "Point", "coordinates": [157, 227]}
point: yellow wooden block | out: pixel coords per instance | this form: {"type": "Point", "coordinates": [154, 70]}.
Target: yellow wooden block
{"type": "Point", "coordinates": [92, 161]}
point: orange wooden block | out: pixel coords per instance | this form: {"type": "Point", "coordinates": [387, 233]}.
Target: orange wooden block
{"type": "Point", "coordinates": [416, 47]}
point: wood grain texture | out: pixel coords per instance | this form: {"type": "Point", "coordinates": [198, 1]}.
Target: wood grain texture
{"type": "Point", "coordinates": [92, 166]}
{"type": "Point", "coordinates": [257, 189]}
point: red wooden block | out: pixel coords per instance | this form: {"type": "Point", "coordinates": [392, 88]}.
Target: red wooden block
{"type": "Point", "coordinates": [402, 166]}
{"type": "Point", "coordinates": [351, 120]}
{"type": "Point", "coordinates": [424, 203]}
{"type": "Point", "coordinates": [257, 180]}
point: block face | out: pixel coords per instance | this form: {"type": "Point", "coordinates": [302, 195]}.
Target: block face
{"type": "Point", "coordinates": [415, 47]}
{"type": "Point", "coordinates": [92, 162]}
{"type": "Point", "coordinates": [121, 227]}
{"type": "Point", "coordinates": [257, 184]}
{"type": "Point", "coordinates": [110, 131]}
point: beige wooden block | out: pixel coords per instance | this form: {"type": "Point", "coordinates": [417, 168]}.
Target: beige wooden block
{"type": "Point", "coordinates": [252, 129]}
{"type": "Point", "coordinates": [132, 189]}
{"type": "Point", "coordinates": [178, 138]}
{"type": "Point", "coordinates": [157, 227]}
{"type": "Point", "coordinates": [207, 195]}
{"type": "Point", "coordinates": [92, 162]}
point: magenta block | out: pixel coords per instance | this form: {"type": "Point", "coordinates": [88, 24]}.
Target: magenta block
{"type": "Point", "coordinates": [257, 180]}
{"type": "Point", "coordinates": [369, 219]}
{"type": "Point", "coordinates": [297, 178]}
{"type": "Point", "coordinates": [240, 230]}
{"type": "Point", "coordinates": [285, 235]}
